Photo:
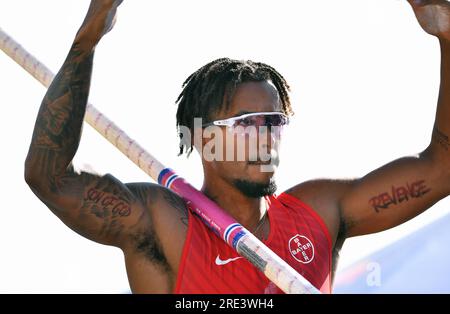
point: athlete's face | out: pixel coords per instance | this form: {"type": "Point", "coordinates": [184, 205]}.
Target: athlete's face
{"type": "Point", "coordinates": [245, 154]}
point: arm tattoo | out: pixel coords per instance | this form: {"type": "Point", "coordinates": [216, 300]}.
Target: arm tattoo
{"type": "Point", "coordinates": [58, 126]}
{"type": "Point", "coordinates": [103, 203]}
{"type": "Point", "coordinates": [108, 203]}
{"type": "Point", "coordinates": [398, 195]}
{"type": "Point", "coordinates": [104, 207]}
{"type": "Point", "coordinates": [441, 138]}
{"type": "Point", "coordinates": [99, 207]}
{"type": "Point", "coordinates": [176, 202]}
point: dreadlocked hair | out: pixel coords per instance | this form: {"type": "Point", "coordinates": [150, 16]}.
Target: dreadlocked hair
{"type": "Point", "coordinates": [205, 90]}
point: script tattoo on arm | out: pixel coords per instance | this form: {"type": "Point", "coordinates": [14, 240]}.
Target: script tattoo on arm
{"type": "Point", "coordinates": [399, 194]}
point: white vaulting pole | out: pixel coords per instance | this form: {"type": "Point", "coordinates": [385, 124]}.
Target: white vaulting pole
{"type": "Point", "coordinates": [239, 238]}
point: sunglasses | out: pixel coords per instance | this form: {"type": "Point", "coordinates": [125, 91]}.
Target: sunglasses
{"type": "Point", "coordinates": [256, 119]}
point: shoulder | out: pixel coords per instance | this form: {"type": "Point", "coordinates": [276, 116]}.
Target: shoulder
{"type": "Point", "coordinates": [164, 226]}
{"type": "Point", "coordinates": [150, 194]}
{"type": "Point", "coordinates": [323, 196]}
{"type": "Point", "coordinates": [165, 208]}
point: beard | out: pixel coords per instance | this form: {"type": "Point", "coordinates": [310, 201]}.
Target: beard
{"type": "Point", "coordinates": [255, 189]}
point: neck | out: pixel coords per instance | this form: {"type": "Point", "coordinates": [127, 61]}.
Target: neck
{"type": "Point", "coordinates": [246, 210]}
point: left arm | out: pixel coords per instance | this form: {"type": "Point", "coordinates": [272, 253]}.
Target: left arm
{"type": "Point", "coordinates": [406, 187]}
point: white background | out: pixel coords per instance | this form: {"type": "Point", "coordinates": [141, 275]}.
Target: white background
{"type": "Point", "coordinates": [364, 80]}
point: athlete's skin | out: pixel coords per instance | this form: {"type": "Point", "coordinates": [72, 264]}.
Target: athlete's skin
{"type": "Point", "coordinates": [149, 222]}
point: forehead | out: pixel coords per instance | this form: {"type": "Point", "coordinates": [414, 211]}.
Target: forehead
{"type": "Point", "coordinates": [253, 97]}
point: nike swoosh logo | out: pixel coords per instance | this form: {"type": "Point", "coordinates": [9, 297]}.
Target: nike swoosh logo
{"type": "Point", "coordinates": [220, 262]}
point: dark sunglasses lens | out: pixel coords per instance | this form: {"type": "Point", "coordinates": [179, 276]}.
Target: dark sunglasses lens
{"type": "Point", "coordinates": [276, 120]}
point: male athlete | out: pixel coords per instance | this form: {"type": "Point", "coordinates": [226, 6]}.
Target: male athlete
{"type": "Point", "coordinates": [167, 248]}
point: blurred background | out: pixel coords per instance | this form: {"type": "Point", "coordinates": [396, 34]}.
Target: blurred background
{"type": "Point", "coordinates": [364, 80]}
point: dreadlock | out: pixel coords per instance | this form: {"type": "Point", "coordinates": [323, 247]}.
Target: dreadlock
{"type": "Point", "coordinates": [204, 91]}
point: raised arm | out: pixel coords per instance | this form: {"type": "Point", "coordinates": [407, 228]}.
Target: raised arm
{"type": "Point", "coordinates": [406, 187]}
{"type": "Point", "coordinates": [100, 208]}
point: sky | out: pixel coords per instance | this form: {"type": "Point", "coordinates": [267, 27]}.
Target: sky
{"type": "Point", "coordinates": [364, 79]}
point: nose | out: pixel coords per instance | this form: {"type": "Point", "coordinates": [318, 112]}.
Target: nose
{"type": "Point", "coordinates": [267, 142]}
{"type": "Point", "coordinates": [270, 136]}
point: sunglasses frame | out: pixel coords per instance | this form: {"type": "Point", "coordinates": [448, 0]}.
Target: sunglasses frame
{"type": "Point", "coordinates": [229, 122]}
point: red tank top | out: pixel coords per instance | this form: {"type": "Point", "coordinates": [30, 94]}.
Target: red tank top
{"type": "Point", "coordinates": [297, 235]}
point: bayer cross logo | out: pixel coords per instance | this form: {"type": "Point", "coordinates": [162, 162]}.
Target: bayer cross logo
{"type": "Point", "coordinates": [301, 249]}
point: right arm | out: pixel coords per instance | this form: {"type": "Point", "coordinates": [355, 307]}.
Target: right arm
{"type": "Point", "coordinates": [100, 208]}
